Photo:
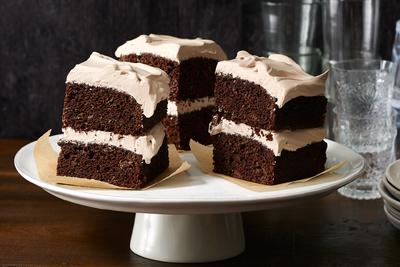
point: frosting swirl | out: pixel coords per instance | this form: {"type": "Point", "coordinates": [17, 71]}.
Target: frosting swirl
{"type": "Point", "coordinates": [283, 78]}
{"type": "Point", "coordinates": [172, 48]}
{"type": "Point", "coordinates": [148, 85]}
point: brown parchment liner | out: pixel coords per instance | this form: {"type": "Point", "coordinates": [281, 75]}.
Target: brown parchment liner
{"type": "Point", "coordinates": [204, 154]}
{"type": "Point", "coordinates": [46, 164]}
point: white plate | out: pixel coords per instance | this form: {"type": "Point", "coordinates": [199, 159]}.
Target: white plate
{"type": "Point", "coordinates": [393, 174]}
{"type": "Point", "coordinates": [387, 196]}
{"type": "Point", "coordinates": [392, 190]}
{"type": "Point", "coordinates": [197, 193]}
{"type": "Point", "coordinates": [393, 220]}
{"type": "Point", "coordinates": [392, 210]}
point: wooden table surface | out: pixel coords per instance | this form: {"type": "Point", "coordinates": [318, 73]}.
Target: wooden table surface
{"type": "Point", "coordinates": [37, 229]}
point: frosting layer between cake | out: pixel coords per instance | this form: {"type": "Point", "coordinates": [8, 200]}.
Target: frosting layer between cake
{"type": "Point", "coordinates": [148, 85]}
{"type": "Point", "coordinates": [147, 145]}
{"type": "Point", "coordinates": [283, 78]}
{"type": "Point", "coordinates": [173, 48]}
{"type": "Point", "coordinates": [185, 106]}
{"type": "Point", "coordinates": [276, 141]}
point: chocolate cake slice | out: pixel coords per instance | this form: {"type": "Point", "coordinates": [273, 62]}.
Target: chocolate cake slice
{"type": "Point", "coordinates": [190, 64]}
{"type": "Point", "coordinates": [269, 124]}
{"type": "Point", "coordinates": [112, 122]}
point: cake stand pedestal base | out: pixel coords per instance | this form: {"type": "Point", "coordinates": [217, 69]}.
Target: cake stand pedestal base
{"type": "Point", "coordinates": [188, 238]}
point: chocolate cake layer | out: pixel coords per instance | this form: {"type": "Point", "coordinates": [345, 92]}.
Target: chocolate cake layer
{"type": "Point", "coordinates": [105, 109]}
{"type": "Point", "coordinates": [245, 102]}
{"type": "Point", "coordinates": [247, 159]}
{"type": "Point", "coordinates": [110, 164]}
{"type": "Point", "coordinates": [190, 79]}
{"type": "Point", "coordinates": [193, 125]}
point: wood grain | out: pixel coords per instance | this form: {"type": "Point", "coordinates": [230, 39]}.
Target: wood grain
{"type": "Point", "coordinates": [37, 229]}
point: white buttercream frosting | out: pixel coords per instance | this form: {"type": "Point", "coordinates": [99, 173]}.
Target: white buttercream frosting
{"type": "Point", "coordinates": [185, 106]}
{"type": "Point", "coordinates": [276, 141]}
{"type": "Point", "coordinates": [170, 47]}
{"type": "Point", "coordinates": [283, 78]}
{"type": "Point", "coordinates": [148, 85]}
{"type": "Point", "coordinates": [146, 145]}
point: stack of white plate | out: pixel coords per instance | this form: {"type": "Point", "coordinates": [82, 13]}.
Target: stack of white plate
{"type": "Point", "coordinates": [389, 188]}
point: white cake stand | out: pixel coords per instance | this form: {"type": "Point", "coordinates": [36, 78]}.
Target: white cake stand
{"type": "Point", "coordinates": [195, 217]}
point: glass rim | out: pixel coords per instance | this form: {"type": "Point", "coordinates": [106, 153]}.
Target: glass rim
{"type": "Point", "coordinates": [336, 65]}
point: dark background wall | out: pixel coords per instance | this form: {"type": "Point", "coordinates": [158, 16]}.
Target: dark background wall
{"type": "Point", "coordinates": [41, 40]}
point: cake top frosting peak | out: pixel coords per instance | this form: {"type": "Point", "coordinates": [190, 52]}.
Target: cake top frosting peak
{"type": "Point", "coordinates": [172, 48]}
{"type": "Point", "coordinates": [146, 84]}
{"type": "Point", "coordinates": [282, 77]}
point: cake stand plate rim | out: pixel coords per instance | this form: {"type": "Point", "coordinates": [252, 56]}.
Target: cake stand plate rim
{"type": "Point", "coordinates": [136, 201]}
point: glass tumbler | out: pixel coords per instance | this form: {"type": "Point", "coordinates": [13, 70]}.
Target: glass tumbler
{"type": "Point", "coordinates": [350, 29]}
{"type": "Point", "coordinates": [290, 28]}
{"type": "Point", "coordinates": [396, 90]}
{"type": "Point", "coordinates": [365, 121]}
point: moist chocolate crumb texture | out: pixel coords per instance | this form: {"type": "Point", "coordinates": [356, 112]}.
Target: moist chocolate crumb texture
{"type": "Point", "coordinates": [190, 64]}
{"type": "Point", "coordinates": [112, 122]}
{"type": "Point", "coordinates": [268, 127]}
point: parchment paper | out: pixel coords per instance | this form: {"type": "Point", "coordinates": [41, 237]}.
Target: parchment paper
{"type": "Point", "coordinates": [46, 163]}
{"type": "Point", "coordinates": [203, 155]}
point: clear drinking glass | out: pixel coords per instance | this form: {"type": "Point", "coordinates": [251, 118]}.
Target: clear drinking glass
{"type": "Point", "coordinates": [364, 119]}
{"type": "Point", "coordinates": [290, 28]}
{"type": "Point", "coordinates": [350, 29]}
{"type": "Point", "coordinates": [396, 90]}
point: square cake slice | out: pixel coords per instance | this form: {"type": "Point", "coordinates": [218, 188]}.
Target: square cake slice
{"type": "Point", "coordinates": [112, 122]}
{"type": "Point", "coordinates": [269, 125]}
{"type": "Point", "coordinates": [190, 64]}
{"type": "Point", "coordinates": [267, 157]}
